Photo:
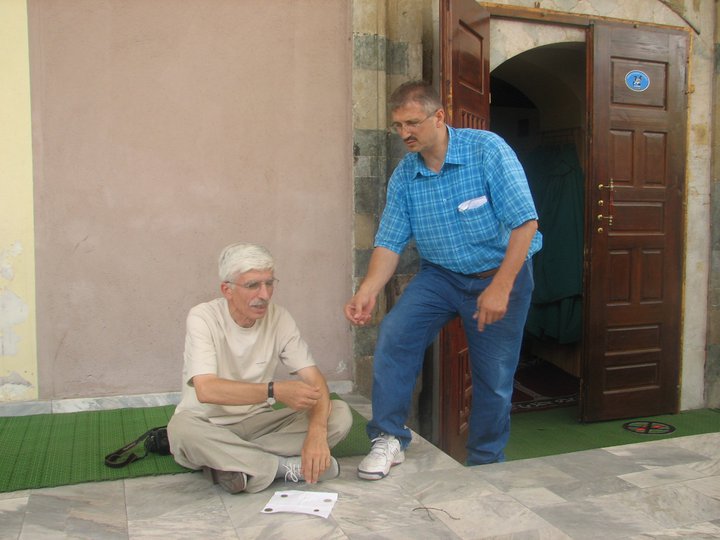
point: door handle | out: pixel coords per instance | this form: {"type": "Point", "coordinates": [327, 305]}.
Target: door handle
{"type": "Point", "coordinates": [609, 218]}
{"type": "Point", "coordinates": [601, 203]}
{"type": "Point", "coordinates": [610, 186]}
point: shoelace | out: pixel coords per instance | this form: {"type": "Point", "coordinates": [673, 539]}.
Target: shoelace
{"type": "Point", "coordinates": [380, 446]}
{"type": "Point", "coordinates": [292, 473]}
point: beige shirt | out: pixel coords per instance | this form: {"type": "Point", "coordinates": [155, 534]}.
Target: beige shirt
{"type": "Point", "coordinates": [215, 344]}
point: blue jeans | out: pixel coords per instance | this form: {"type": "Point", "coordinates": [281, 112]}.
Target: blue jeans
{"type": "Point", "coordinates": [434, 297]}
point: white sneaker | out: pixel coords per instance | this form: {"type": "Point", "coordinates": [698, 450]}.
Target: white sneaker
{"type": "Point", "coordinates": [386, 452]}
{"type": "Point", "coordinates": [293, 472]}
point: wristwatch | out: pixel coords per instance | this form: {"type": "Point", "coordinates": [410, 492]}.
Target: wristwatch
{"type": "Point", "coordinates": [271, 394]}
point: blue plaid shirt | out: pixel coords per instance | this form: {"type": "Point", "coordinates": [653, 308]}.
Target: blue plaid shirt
{"type": "Point", "coordinates": [462, 217]}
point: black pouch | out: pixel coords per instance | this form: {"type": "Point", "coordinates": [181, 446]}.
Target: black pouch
{"type": "Point", "coordinates": [157, 441]}
{"type": "Point", "coordinates": [154, 441]}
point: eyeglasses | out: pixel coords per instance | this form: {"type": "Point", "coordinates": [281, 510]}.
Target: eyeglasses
{"type": "Point", "coordinates": [412, 125]}
{"type": "Point", "coordinates": [255, 285]}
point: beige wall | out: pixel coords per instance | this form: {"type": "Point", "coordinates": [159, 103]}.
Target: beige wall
{"type": "Point", "coordinates": [161, 132]}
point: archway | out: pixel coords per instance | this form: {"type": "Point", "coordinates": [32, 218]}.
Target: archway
{"type": "Point", "coordinates": [538, 106]}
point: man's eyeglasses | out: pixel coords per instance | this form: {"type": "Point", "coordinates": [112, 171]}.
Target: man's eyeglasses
{"type": "Point", "coordinates": [412, 125]}
{"type": "Point", "coordinates": [255, 285]}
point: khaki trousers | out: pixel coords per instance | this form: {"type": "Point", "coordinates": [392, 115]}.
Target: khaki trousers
{"type": "Point", "coordinates": [251, 446]}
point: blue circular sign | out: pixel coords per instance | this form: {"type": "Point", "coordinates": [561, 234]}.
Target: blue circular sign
{"type": "Point", "coordinates": [637, 80]}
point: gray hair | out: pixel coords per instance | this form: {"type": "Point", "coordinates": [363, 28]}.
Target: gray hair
{"type": "Point", "coordinates": [415, 91]}
{"type": "Point", "coordinates": [239, 258]}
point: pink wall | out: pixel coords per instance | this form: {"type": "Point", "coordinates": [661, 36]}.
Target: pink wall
{"type": "Point", "coordinates": [163, 131]}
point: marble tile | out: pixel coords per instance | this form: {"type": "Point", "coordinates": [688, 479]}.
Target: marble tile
{"type": "Point", "coordinates": [25, 408]}
{"type": "Point", "coordinates": [534, 497]}
{"type": "Point", "coordinates": [657, 454]}
{"type": "Point", "coordinates": [115, 402]}
{"type": "Point", "coordinates": [94, 510]}
{"type": "Point", "coordinates": [593, 464]}
{"type": "Point", "coordinates": [669, 505]}
{"type": "Point", "coordinates": [709, 486]}
{"type": "Point", "coordinates": [422, 456]}
{"type": "Point", "coordinates": [368, 512]}
{"type": "Point", "coordinates": [21, 494]}
{"type": "Point", "coordinates": [584, 489]}
{"type": "Point", "coordinates": [491, 516]}
{"type": "Point", "coordinates": [273, 530]}
{"type": "Point", "coordinates": [662, 475]}
{"type": "Point", "coordinates": [12, 515]}
{"type": "Point", "coordinates": [525, 473]}
{"type": "Point", "coordinates": [176, 506]}
{"type": "Point", "coordinates": [445, 485]}
{"type": "Point", "coordinates": [699, 531]}
{"type": "Point", "coordinates": [593, 519]}
{"type": "Point", "coordinates": [430, 531]}
{"type": "Point", "coordinates": [707, 444]}
{"type": "Point", "coordinates": [710, 467]}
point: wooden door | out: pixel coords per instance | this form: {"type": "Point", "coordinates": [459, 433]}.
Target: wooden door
{"type": "Point", "coordinates": [465, 91]}
{"type": "Point", "coordinates": [635, 222]}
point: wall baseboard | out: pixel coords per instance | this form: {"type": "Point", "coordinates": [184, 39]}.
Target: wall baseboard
{"type": "Point", "coordinates": [26, 408]}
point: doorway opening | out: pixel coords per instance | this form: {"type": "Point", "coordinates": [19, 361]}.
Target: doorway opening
{"type": "Point", "coordinates": [538, 106]}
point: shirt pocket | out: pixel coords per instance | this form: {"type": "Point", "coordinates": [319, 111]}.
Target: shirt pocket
{"type": "Point", "coordinates": [479, 224]}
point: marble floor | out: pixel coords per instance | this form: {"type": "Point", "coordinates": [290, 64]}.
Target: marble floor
{"type": "Point", "coordinates": [660, 489]}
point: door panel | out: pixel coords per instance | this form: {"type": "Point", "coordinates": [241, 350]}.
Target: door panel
{"type": "Point", "coordinates": [635, 211]}
{"type": "Point", "coordinates": [455, 390]}
{"type": "Point", "coordinates": [465, 87]}
{"type": "Point", "coordinates": [465, 67]}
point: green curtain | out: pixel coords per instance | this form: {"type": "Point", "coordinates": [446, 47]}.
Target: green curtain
{"type": "Point", "coordinates": [556, 182]}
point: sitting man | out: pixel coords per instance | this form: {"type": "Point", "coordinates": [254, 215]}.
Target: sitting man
{"type": "Point", "coordinates": [225, 423]}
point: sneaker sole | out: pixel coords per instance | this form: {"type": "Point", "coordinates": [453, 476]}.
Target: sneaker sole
{"type": "Point", "coordinates": [379, 475]}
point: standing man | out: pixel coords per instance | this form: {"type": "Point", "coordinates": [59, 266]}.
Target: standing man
{"type": "Point", "coordinates": [463, 196]}
{"type": "Point", "coordinates": [225, 423]}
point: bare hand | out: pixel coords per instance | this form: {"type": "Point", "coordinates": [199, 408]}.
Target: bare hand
{"type": "Point", "coordinates": [315, 457]}
{"type": "Point", "coordinates": [491, 306]}
{"type": "Point", "coordinates": [297, 395]}
{"type": "Point", "coordinates": [359, 308]}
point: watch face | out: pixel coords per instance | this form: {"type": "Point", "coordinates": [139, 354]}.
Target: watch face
{"type": "Point", "coordinates": [271, 400]}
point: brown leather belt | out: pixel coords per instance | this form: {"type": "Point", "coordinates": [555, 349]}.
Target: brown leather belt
{"type": "Point", "coordinates": [484, 275]}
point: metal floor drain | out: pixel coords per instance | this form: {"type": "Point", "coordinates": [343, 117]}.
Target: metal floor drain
{"type": "Point", "coordinates": [648, 427]}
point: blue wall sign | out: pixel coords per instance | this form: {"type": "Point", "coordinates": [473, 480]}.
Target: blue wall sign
{"type": "Point", "coordinates": [637, 80]}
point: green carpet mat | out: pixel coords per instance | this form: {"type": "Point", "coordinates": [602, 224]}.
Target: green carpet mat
{"type": "Point", "coordinates": [50, 450]}
{"type": "Point", "coordinates": [557, 431]}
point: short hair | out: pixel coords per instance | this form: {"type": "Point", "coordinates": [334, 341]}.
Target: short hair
{"type": "Point", "coordinates": [239, 258]}
{"type": "Point", "coordinates": [417, 91]}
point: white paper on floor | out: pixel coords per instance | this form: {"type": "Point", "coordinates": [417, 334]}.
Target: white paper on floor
{"type": "Point", "coordinates": [301, 502]}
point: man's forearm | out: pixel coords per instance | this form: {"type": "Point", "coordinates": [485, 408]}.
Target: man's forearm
{"type": "Point", "coordinates": [515, 254]}
{"type": "Point", "coordinates": [318, 416]}
{"type": "Point", "coordinates": [319, 413]}
{"type": "Point", "coordinates": [213, 389]}
{"type": "Point", "coordinates": [381, 268]}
